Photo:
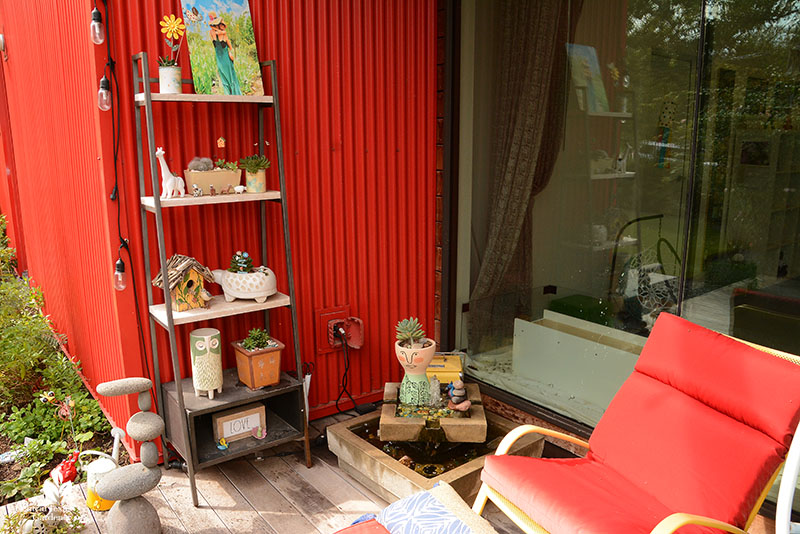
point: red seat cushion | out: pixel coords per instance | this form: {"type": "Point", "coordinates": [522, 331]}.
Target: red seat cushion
{"type": "Point", "coordinates": [365, 527]}
{"type": "Point", "coordinates": [575, 496]}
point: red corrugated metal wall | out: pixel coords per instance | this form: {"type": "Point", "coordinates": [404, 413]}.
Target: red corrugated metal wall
{"type": "Point", "coordinates": [357, 87]}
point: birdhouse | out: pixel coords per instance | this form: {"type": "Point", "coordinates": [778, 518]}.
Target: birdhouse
{"type": "Point", "coordinates": [187, 278]}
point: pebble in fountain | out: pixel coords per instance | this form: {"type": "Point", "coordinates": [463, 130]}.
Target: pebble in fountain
{"type": "Point", "coordinates": [132, 513]}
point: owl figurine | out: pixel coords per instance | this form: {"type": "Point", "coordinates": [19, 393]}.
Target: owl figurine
{"type": "Point", "coordinates": [206, 349]}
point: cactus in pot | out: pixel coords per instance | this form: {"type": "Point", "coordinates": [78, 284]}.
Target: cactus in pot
{"type": "Point", "coordinates": [415, 352]}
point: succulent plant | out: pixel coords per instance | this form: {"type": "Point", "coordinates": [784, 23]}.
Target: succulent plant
{"type": "Point", "coordinates": [257, 338]}
{"type": "Point", "coordinates": [409, 331]}
{"type": "Point", "coordinates": [226, 165]}
{"type": "Point", "coordinates": [253, 164]}
{"type": "Point", "coordinates": [241, 262]}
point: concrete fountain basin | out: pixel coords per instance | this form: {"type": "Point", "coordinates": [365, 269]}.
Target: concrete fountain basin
{"type": "Point", "coordinates": [392, 480]}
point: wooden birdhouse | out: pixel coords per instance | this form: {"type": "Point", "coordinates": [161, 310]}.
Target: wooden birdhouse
{"type": "Point", "coordinates": [187, 278]}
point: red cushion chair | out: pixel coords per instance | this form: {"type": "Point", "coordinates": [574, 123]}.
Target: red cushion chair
{"type": "Point", "coordinates": [695, 436]}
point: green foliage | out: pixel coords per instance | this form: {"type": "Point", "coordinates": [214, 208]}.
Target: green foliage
{"type": "Point", "coordinates": [241, 262]}
{"type": "Point", "coordinates": [409, 331]}
{"type": "Point", "coordinates": [164, 61]}
{"type": "Point", "coordinates": [8, 259]}
{"type": "Point", "coordinates": [253, 164]}
{"type": "Point", "coordinates": [71, 524]}
{"type": "Point", "coordinates": [204, 61]}
{"type": "Point", "coordinates": [228, 165]}
{"type": "Point", "coordinates": [257, 339]}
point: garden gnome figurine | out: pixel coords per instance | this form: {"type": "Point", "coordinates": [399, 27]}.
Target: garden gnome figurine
{"type": "Point", "coordinates": [414, 352]}
{"type": "Point", "coordinates": [206, 361]}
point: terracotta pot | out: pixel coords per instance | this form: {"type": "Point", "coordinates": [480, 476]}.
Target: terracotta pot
{"type": "Point", "coordinates": [169, 80]}
{"type": "Point", "coordinates": [415, 360]}
{"type": "Point", "coordinates": [256, 183]}
{"type": "Point", "coordinates": [218, 178]}
{"type": "Point", "coordinates": [259, 368]}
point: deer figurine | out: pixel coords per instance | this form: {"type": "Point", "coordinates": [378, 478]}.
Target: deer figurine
{"type": "Point", "coordinates": [171, 184]}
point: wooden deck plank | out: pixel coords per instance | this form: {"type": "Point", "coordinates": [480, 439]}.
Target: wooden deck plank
{"type": "Point", "coordinates": [268, 502]}
{"type": "Point", "coordinates": [77, 498]}
{"type": "Point", "coordinates": [337, 490]}
{"type": "Point", "coordinates": [170, 522]}
{"type": "Point", "coordinates": [202, 519]}
{"type": "Point", "coordinates": [323, 514]}
{"type": "Point", "coordinates": [229, 504]}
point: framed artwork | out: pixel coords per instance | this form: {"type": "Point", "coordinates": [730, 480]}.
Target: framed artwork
{"type": "Point", "coordinates": [222, 47]}
{"type": "Point", "coordinates": [586, 77]}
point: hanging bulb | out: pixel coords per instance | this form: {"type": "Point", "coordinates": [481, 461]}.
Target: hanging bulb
{"type": "Point", "coordinates": [120, 278]}
{"type": "Point", "coordinates": [104, 94]}
{"type": "Point", "coordinates": [96, 28]}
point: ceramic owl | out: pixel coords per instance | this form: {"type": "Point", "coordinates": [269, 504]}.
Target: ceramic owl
{"type": "Point", "coordinates": [206, 350]}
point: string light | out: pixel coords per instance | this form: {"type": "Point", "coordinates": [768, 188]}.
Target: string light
{"type": "Point", "coordinates": [104, 94]}
{"type": "Point", "coordinates": [120, 278]}
{"type": "Point", "coordinates": [96, 29]}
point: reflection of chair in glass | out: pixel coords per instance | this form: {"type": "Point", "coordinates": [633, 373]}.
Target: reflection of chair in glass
{"type": "Point", "coordinates": [695, 436]}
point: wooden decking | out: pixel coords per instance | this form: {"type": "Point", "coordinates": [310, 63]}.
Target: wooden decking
{"type": "Point", "coordinates": [276, 494]}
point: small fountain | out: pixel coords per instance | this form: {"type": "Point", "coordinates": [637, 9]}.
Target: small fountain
{"type": "Point", "coordinates": [421, 436]}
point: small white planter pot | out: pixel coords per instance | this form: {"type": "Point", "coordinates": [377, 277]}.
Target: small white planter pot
{"type": "Point", "coordinates": [169, 80]}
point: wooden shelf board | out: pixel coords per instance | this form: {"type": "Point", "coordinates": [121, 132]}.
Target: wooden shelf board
{"type": "Point", "coordinates": [150, 204]}
{"type": "Point", "coordinates": [191, 97]}
{"type": "Point", "coordinates": [278, 433]}
{"type": "Point", "coordinates": [612, 175]}
{"type": "Point", "coordinates": [217, 308]}
{"type": "Point", "coordinates": [233, 393]}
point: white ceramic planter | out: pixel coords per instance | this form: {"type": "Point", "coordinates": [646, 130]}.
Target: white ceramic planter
{"type": "Point", "coordinates": [256, 285]}
{"type": "Point", "coordinates": [169, 80]}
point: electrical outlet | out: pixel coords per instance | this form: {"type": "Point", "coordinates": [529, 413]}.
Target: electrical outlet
{"type": "Point", "coordinates": [323, 317]}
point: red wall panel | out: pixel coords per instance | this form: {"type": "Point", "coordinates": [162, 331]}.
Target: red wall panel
{"type": "Point", "coordinates": [357, 88]}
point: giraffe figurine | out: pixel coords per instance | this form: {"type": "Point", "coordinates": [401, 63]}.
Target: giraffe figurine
{"type": "Point", "coordinates": [171, 184]}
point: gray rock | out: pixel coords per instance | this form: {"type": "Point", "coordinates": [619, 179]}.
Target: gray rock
{"type": "Point", "coordinates": [459, 392]}
{"type": "Point", "coordinates": [145, 401]}
{"type": "Point", "coordinates": [128, 482]}
{"type": "Point", "coordinates": [145, 426]}
{"type": "Point", "coordinates": [149, 454]}
{"type": "Point", "coordinates": [124, 386]}
{"type": "Point", "coordinates": [134, 516]}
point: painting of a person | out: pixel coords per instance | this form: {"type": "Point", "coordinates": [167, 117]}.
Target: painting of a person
{"type": "Point", "coordinates": [225, 54]}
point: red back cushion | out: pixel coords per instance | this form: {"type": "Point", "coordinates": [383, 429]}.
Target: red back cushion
{"type": "Point", "coordinates": [702, 423]}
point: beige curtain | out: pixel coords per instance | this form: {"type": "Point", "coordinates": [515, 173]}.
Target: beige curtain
{"type": "Point", "coordinates": [528, 108]}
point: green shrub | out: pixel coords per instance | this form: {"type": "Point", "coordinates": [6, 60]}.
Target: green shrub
{"type": "Point", "coordinates": [8, 259]}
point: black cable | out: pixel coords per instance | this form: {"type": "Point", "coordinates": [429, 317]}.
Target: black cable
{"type": "Point", "coordinates": [339, 332]}
{"type": "Point", "coordinates": [116, 194]}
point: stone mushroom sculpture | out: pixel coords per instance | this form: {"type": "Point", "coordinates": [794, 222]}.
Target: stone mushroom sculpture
{"type": "Point", "coordinates": [132, 513]}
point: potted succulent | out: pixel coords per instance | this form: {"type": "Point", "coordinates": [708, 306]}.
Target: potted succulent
{"type": "Point", "coordinates": [255, 167]}
{"type": "Point", "coordinates": [258, 359]}
{"type": "Point", "coordinates": [169, 73]}
{"type": "Point", "coordinates": [203, 173]}
{"type": "Point", "coordinates": [415, 352]}
{"type": "Point", "coordinates": [243, 281]}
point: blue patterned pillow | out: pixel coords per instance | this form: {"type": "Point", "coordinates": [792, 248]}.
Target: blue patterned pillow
{"type": "Point", "coordinates": [438, 511]}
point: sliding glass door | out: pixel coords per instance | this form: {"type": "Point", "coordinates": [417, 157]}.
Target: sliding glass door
{"type": "Point", "coordinates": [619, 159]}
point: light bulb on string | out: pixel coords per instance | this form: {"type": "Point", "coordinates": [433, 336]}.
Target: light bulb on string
{"type": "Point", "coordinates": [120, 278]}
{"type": "Point", "coordinates": [104, 94]}
{"type": "Point", "coordinates": [96, 29]}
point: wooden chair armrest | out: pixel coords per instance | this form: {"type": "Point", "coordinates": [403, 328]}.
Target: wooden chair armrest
{"type": "Point", "coordinates": [675, 521]}
{"type": "Point", "coordinates": [520, 431]}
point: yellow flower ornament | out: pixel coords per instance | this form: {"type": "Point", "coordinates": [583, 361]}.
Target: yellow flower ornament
{"type": "Point", "coordinates": [172, 26]}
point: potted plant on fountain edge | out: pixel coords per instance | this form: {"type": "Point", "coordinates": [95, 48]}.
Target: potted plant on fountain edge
{"type": "Point", "coordinates": [415, 352]}
{"type": "Point", "coordinates": [258, 359]}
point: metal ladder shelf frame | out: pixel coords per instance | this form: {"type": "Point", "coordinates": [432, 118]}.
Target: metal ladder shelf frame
{"type": "Point", "coordinates": [141, 86]}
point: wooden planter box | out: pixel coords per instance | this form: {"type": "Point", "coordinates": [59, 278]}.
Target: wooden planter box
{"type": "Point", "coordinates": [219, 179]}
{"type": "Point", "coordinates": [259, 368]}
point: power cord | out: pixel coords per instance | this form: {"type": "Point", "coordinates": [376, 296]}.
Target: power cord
{"type": "Point", "coordinates": [359, 408]}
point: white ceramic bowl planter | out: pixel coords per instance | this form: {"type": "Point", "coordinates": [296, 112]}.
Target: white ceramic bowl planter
{"type": "Point", "coordinates": [257, 285]}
